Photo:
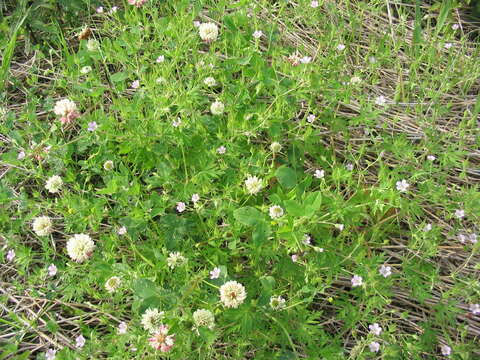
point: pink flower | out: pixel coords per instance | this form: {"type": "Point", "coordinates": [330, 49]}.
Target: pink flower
{"type": "Point", "coordinates": [385, 271]}
{"type": "Point", "coordinates": [79, 341]}
{"type": "Point", "coordinates": [161, 340]}
{"type": "Point", "coordinates": [475, 309]}
{"type": "Point", "coordinates": [341, 47]}
{"type": "Point", "coordinates": [160, 59]}
{"type": "Point", "coordinates": [356, 280]}
{"type": "Point", "coordinates": [257, 34]}
{"type": "Point", "coordinates": [21, 155]}
{"type": "Point", "coordinates": [100, 10]}
{"type": "Point", "coordinates": [52, 270]}
{"type": "Point", "coordinates": [92, 126]}
{"type": "Point", "coordinates": [459, 213]}
{"type": "Point", "coordinates": [446, 350]}
{"type": "Point", "coordinates": [70, 117]}
{"type": "Point", "coordinates": [294, 257]}
{"type": "Point", "coordinates": [314, 4]}
{"type": "Point", "coordinates": [375, 329]}
{"type": "Point", "coordinates": [374, 346]}
{"type": "Point", "coordinates": [455, 26]}
{"type": "Point", "coordinates": [10, 255]}
{"type": "Point", "coordinates": [181, 206]}
{"type": "Point", "coordinates": [50, 354]}
{"type": "Point", "coordinates": [135, 84]}
{"type": "Point", "coordinates": [122, 327]}
{"type": "Point", "coordinates": [222, 150]}
{"type": "Point", "coordinates": [215, 273]}
{"type": "Point", "coordinates": [137, 3]}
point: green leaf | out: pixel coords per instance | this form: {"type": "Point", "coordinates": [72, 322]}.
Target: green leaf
{"type": "Point", "coordinates": [286, 176]}
{"type": "Point", "coordinates": [144, 288]}
{"type": "Point", "coordinates": [248, 216]}
{"type": "Point", "coordinates": [119, 76]}
{"type": "Point", "coordinates": [260, 233]}
{"type": "Point", "coordinates": [294, 208]}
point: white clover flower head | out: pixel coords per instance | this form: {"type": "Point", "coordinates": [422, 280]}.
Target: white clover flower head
{"type": "Point", "coordinates": [277, 303]}
{"type": "Point", "coordinates": [402, 185]}
{"type": "Point", "coordinates": [204, 318]}
{"type": "Point", "coordinates": [232, 294]}
{"type": "Point", "coordinates": [160, 59]}
{"type": "Point", "coordinates": [314, 4]}
{"type": "Point", "coordinates": [52, 270]}
{"type": "Point", "coordinates": [306, 60]}
{"type": "Point", "coordinates": [64, 107]}
{"type": "Point", "coordinates": [54, 184]}
{"type": "Point", "coordinates": [340, 47]}
{"type": "Point", "coordinates": [459, 213]}
{"type": "Point", "coordinates": [113, 284]}
{"type": "Point", "coordinates": [215, 273]}
{"type": "Point", "coordinates": [380, 100]}
{"type": "Point", "coordinates": [93, 45]}
{"type": "Point", "coordinates": [85, 70]}
{"type": "Point", "coordinates": [152, 319]}
{"type": "Point", "coordinates": [79, 341]}
{"type": "Point", "coordinates": [475, 309]}
{"type": "Point", "coordinates": [275, 212]}
{"type": "Point", "coordinates": [50, 354]}
{"type": "Point", "coordinates": [375, 329]}
{"type": "Point", "coordinates": [181, 206]}
{"type": "Point", "coordinates": [221, 150]}
{"type": "Point", "coordinates": [427, 227]}
{"type": "Point", "coordinates": [455, 26]}
{"type": "Point", "coordinates": [122, 230]}
{"type": "Point", "coordinates": [275, 147]}
{"type": "Point", "coordinates": [431, 157]}
{"type": "Point", "coordinates": [210, 81]}
{"type": "Point", "coordinates": [42, 225]}
{"type": "Point", "coordinates": [122, 327]}
{"type": "Point", "coordinates": [307, 240]}
{"type": "Point", "coordinates": [80, 247]}
{"type": "Point", "coordinates": [257, 34]}
{"type": "Point", "coordinates": [217, 108]}
{"type": "Point", "coordinates": [357, 280]}
{"type": "Point", "coordinates": [10, 255]}
{"type": "Point", "coordinates": [253, 184]}
{"type": "Point", "coordinates": [208, 32]}
{"type": "Point", "coordinates": [319, 174]}
{"type": "Point", "coordinates": [445, 350]}
{"type": "Point", "coordinates": [175, 259]}
{"type": "Point", "coordinates": [108, 165]}
{"type": "Point", "coordinates": [374, 346]}
{"type": "Point", "coordinates": [195, 198]}
{"type": "Point", "coordinates": [385, 271]}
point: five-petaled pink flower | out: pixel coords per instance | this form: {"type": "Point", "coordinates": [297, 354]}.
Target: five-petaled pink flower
{"type": "Point", "coordinates": [215, 273]}
{"type": "Point", "coordinates": [137, 3]}
{"type": "Point", "coordinates": [161, 340]}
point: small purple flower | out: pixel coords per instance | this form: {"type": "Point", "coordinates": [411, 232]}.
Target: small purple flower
{"type": "Point", "coordinates": [195, 198]}
{"type": "Point", "coordinates": [222, 150]}
{"type": "Point", "coordinates": [311, 118]}
{"type": "Point", "coordinates": [445, 350]}
{"type": "Point", "coordinates": [294, 257]}
{"type": "Point", "coordinates": [215, 273]}
{"type": "Point", "coordinates": [135, 84]}
{"type": "Point", "coordinates": [385, 271]}
{"type": "Point", "coordinates": [50, 354]}
{"type": "Point", "coordinates": [340, 47]}
{"type": "Point", "coordinates": [79, 341]}
{"type": "Point", "coordinates": [314, 4]}
{"type": "Point", "coordinates": [319, 174]}
{"type": "Point", "coordinates": [402, 186]}
{"type": "Point", "coordinates": [176, 123]}
{"type": "Point", "coordinates": [427, 227]}
{"type": "Point", "coordinates": [160, 59]}
{"type": "Point", "coordinates": [122, 231]}
{"type": "Point", "coordinates": [10, 255]}
{"type": "Point", "coordinates": [459, 213]}
{"type": "Point", "coordinates": [349, 167]}
{"type": "Point", "coordinates": [52, 270]}
{"type": "Point", "coordinates": [307, 240]}
{"type": "Point", "coordinates": [21, 155]}
{"type": "Point", "coordinates": [306, 60]}
{"type": "Point", "coordinates": [475, 309]}
{"type": "Point", "coordinates": [181, 206]}
{"type": "Point", "coordinates": [380, 100]}
{"type": "Point", "coordinates": [100, 10]}
{"type": "Point", "coordinates": [122, 327]}
{"type": "Point", "coordinates": [455, 26]}
{"type": "Point", "coordinates": [113, 10]}
{"type": "Point", "coordinates": [374, 346]}
{"type": "Point", "coordinates": [257, 34]}
{"type": "Point", "coordinates": [196, 23]}
{"type": "Point", "coordinates": [431, 157]}
{"type": "Point", "coordinates": [375, 329]}
{"type": "Point", "coordinates": [356, 280]}
{"type": "Point", "coordinates": [92, 126]}
{"type": "Point", "coordinates": [448, 46]}
{"type": "Point", "coordinates": [473, 238]}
